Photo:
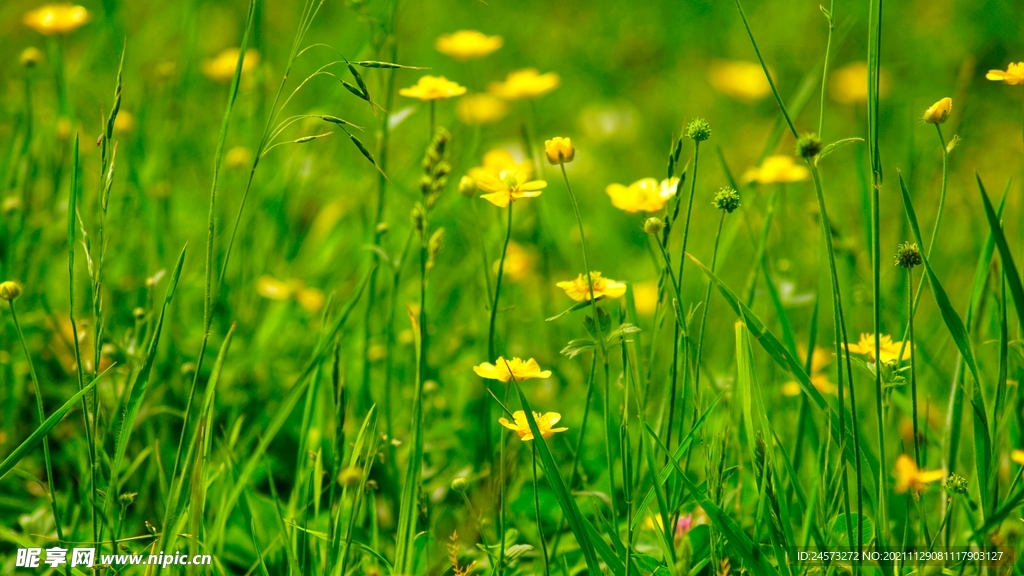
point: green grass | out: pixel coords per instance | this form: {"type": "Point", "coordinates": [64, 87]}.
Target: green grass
{"type": "Point", "coordinates": [349, 289]}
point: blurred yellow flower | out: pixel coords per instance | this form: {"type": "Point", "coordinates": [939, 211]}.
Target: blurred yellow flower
{"type": "Point", "coordinates": [545, 423]}
{"type": "Point", "coordinates": [479, 109]}
{"type": "Point", "coordinates": [221, 68]}
{"type": "Point", "coordinates": [740, 80]}
{"type": "Point", "coordinates": [909, 476]}
{"type": "Point", "coordinates": [310, 298]}
{"type": "Point", "coordinates": [509, 186]}
{"type": "Point", "coordinates": [645, 297]}
{"type": "Point", "coordinates": [525, 83]}
{"type": "Point", "coordinates": [849, 84]}
{"type": "Point", "coordinates": [497, 161]}
{"type": "Point", "coordinates": [888, 349]}
{"type": "Point", "coordinates": [559, 150]}
{"type": "Point", "coordinates": [433, 88]}
{"type": "Point", "coordinates": [777, 169]}
{"type": "Point", "coordinates": [467, 44]}
{"type": "Point", "coordinates": [57, 18]}
{"type": "Point", "coordinates": [579, 289]}
{"type": "Point", "coordinates": [820, 358]}
{"type": "Point", "coordinates": [645, 195]}
{"type": "Point", "coordinates": [518, 263]}
{"type": "Point", "coordinates": [504, 370]}
{"type": "Point", "coordinates": [1013, 75]}
{"type": "Point", "coordinates": [124, 123]}
{"type": "Point", "coordinates": [30, 57]}
{"type": "Point", "coordinates": [238, 157]}
{"type": "Point", "coordinates": [274, 289]}
{"type": "Point", "coordinates": [938, 113]}
{"type": "Point", "coordinates": [1017, 456]}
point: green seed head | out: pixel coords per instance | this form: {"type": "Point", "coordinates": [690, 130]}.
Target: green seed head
{"type": "Point", "coordinates": [727, 199]}
{"type": "Point", "coordinates": [698, 130]}
{"type": "Point", "coordinates": [467, 187]}
{"type": "Point", "coordinates": [808, 146]}
{"type": "Point", "coordinates": [10, 290]}
{"type": "Point", "coordinates": [908, 256]}
{"type": "Point", "coordinates": [956, 484]}
{"type": "Point", "coordinates": [654, 226]}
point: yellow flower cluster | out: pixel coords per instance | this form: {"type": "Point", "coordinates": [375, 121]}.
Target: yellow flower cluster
{"type": "Point", "coordinates": [273, 289]}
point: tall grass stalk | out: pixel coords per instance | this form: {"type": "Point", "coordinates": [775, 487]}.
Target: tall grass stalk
{"type": "Point", "coordinates": [704, 320]}
{"type": "Point", "coordinates": [536, 508]}
{"type": "Point", "coordinates": [491, 354]}
{"type": "Point", "coordinates": [913, 367]}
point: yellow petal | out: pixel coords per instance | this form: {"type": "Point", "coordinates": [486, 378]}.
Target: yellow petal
{"type": "Point", "coordinates": [499, 199]}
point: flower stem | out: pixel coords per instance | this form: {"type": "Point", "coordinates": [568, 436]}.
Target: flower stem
{"type": "Point", "coordinates": [491, 355]}
{"type": "Point", "coordinates": [536, 506]}
{"type": "Point", "coordinates": [913, 367]}
{"type": "Point", "coordinates": [704, 321]}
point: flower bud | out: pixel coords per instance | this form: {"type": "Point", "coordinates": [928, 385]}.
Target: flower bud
{"type": "Point", "coordinates": [31, 57]}
{"type": "Point", "coordinates": [654, 226]}
{"type": "Point", "coordinates": [727, 199]}
{"type": "Point", "coordinates": [808, 146]}
{"type": "Point", "coordinates": [10, 290]}
{"type": "Point", "coordinates": [938, 113]}
{"type": "Point", "coordinates": [908, 256]}
{"type": "Point", "coordinates": [467, 187]}
{"type": "Point", "coordinates": [956, 484]}
{"type": "Point", "coordinates": [698, 130]}
{"type": "Point", "coordinates": [460, 484]}
{"type": "Point", "coordinates": [559, 150]}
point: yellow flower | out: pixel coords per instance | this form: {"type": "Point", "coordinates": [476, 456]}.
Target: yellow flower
{"type": "Point", "coordinates": [849, 84]}
{"type": "Point", "coordinates": [509, 186]}
{"type": "Point", "coordinates": [274, 289]}
{"type": "Point", "coordinates": [497, 161]}
{"type": "Point", "coordinates": [820, 359]}
{"type": "Point", "coordinates": [479, 109]}
{"type": "Point", "coordinates": [544, 424]}
{"type": "Point", "coordinates": [30, 57]}
{"type": "Point", "coordinates": [559, 150]}
{"type": "Point", "coordinates": [645, 297]}
{"type": "Point", "coordinates": [908, 476]}
{"type": "Point", "coordinates": [221, 68]}
{"type": "Point", "coordinates": [938, 112]}
{"type": "Point", "coordinates": [740, 80]}
{"type": "Point", "coordinates": [124, 123]}
{"type": "Point", "coordinates": [579, 289]}
{"type": "Point", "coordinates": [645, 195]}
{"type": "Point", "coordinates": [310, 298]}
{"type": "Point", "coordinates": [525, 83]}
{"type": "Point", "coordinates": [777, 169]}
{"type": "Point", "coordinates": [467, 44]}
{"type": "Point", "coordinates": [1013, 75]}
{"type": "Point", "coordinates": [504, 370]}
{"type": "Point", "coordinates": [518, 263]}
{"type": "Point", "coordinates": [1017, 456]}
{"type": "Point", "coordinates": [433, 88]}
{"type": "Point", "coordinates": [888, 349]}
{"type": "Point", "coordinates": [57, 18]}
{"type": "Point", "coordinates": [238, 156]}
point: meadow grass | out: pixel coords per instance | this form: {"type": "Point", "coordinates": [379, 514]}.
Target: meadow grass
{"type": "Point", "coordinates": [471, 333]}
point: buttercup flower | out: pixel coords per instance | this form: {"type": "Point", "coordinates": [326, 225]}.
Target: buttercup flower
{"type": "Point", "coordinates": [908, 476]}
{"type": "Point", "coordinates": [511, 185]}
{"type": "Point", "coordinates": [645, 195]}
{"type": "Point", "coordinates": [525, 83]}
{"type": "Point", "coordinates": [497, 161]}
{"type": "Point", "coordinates": [777, 169]}
{"type": "Point", "coordinates": [645, 297]}
{"type": "Point", "coordinates": [888, 349]}
{"type": "Point", "coordinates": [9, 290]}
{"type": "Point", "coordinates": [221, 67]}
{"type": "Point", "coordinates": [467, 44]}
{"type": "Point", "coordinates": [433, 88]}
{"type": "Point", "coordinates": [820, 359]}
{"type": "Point", "coordinates": [1017, 456]}
{"type": "Point", "coordinates": [57, 18]}
{"type": "Point", "coordinates": [237, 157]}
{"type": "Point", "coordinates": [518, 263]}
{"type": "Point", "coordinates": [124, 123]}
{"type": "Point", "coordinates": [504, 370]}
{"type": "Point", "coordinates": [1013, 75]}
{"type": "Point", "coordinates": [522, 425]}
{"type": "Point", "coordinates": [30, 57]}
{"type": "Point", "coordinates": [849, 84]}
{"type": "Point", "coordinates": [559, 150]}
{"type": "Point", "coordinates": [274, 289]}
{"type": "Point", "coordinates": [579, 289]}
{"type": "Point", "coordinates": [479, 109]}
{"type": "Point", "coordinates": [740, 80]}
{"type": "Point", "coordinates": [938, 113]}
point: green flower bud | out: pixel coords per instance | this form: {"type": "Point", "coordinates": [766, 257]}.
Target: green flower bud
{"type": "Point", "coordinates": [727, 199]}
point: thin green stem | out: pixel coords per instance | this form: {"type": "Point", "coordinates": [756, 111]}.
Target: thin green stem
{"type": "Point", "coordinates": [876, 316]}
{"type": "Point", "coordinates": [536, 507]}
{"type": "Point", "coordinates": [913, 367]}
{"type": "Point", "coordinates": [704, 319]}
{"type": "Point", "coordinates": [830, 16]}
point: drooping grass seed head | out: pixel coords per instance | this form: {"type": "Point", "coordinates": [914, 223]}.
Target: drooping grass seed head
{"type": "Point", "coordinates": [30, 57]}
{"type": "Point", "coordinates": [808, 146]}
{"type": "Point", "coordinates": [698, 130]}
{"type": "Point", "coordinates": [10, 290]}
{"type": "Point", "coordinates": [727, 199]}
{"type": "Point", "coordinates": [908, 255]}
{"type": "Point", "coordinates": [938, 113]}
{"type": "Point", "coordinates": [654, 225]}
{"type": "Point", "coordinates": [559, 150]}
{"type": "Point", "coordinates": [467, 187]}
